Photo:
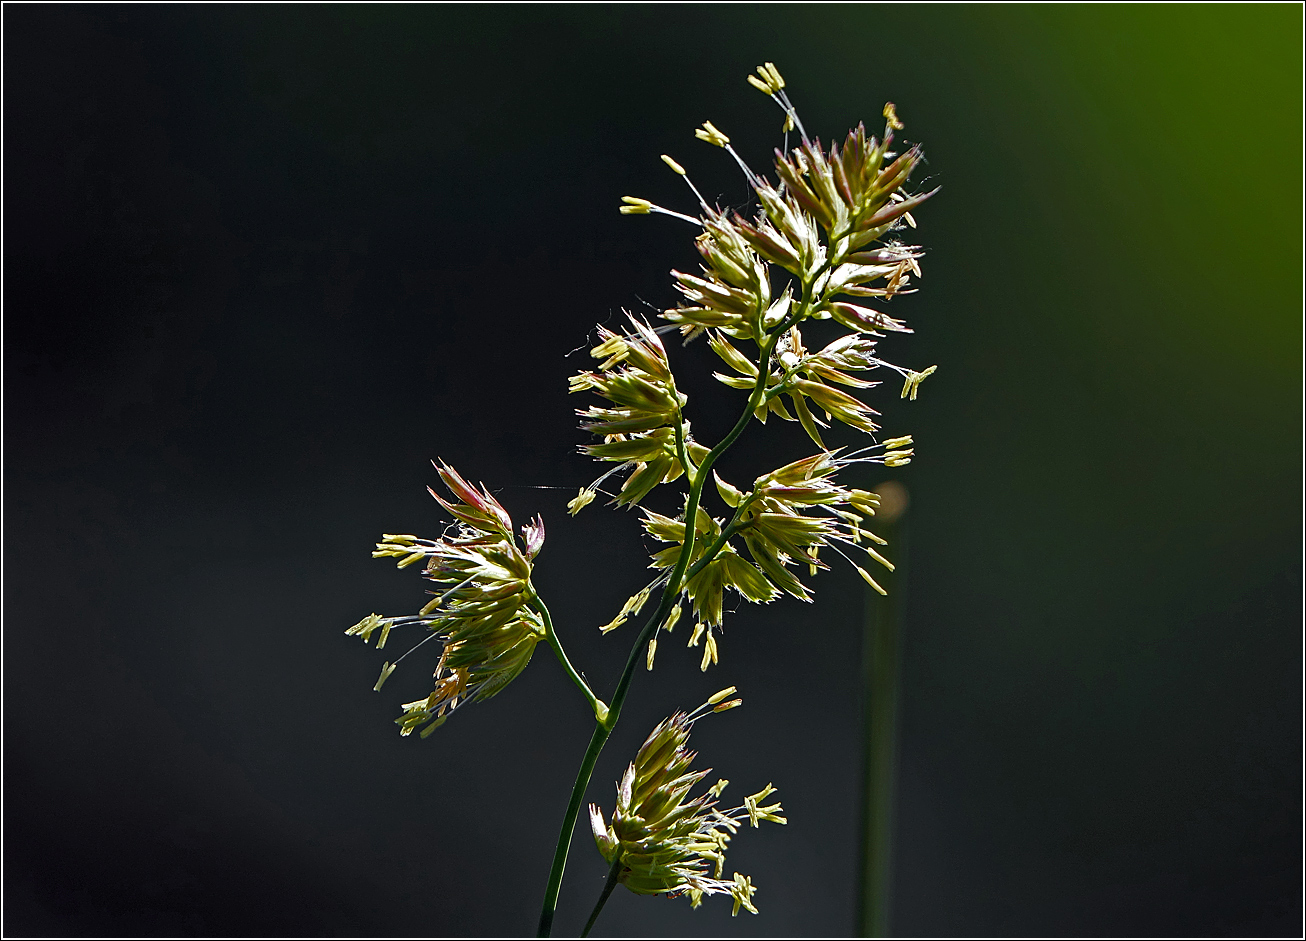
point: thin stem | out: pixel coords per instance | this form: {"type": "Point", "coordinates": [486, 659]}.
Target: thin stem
{"type": "Point", "coordinates": [568, 824]}
{"type": "Point", "coordinates": [551, 633]}
{"type": "Point", "coordinates": [614, 875]}
{"type": "Point", "coordinates": [601, 732]}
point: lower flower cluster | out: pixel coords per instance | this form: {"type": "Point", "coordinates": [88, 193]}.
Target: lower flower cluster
{"type": "Point", "coordinates": [665, 842]}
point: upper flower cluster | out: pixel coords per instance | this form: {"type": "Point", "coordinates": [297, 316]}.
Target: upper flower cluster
{"type": "Point", "coordinates": [482, 613]}
{"type": "Point", "coordinates": [825, 207]}
{"type": "Point", "coordinates": [805, 255]}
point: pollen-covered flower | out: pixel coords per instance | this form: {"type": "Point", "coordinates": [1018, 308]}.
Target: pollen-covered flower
{"type": "Point", "coordinates": [797, 510]}
{"type": "Point", "coordinates": [733, 293]}
{"type": "Point", "coordinates": [806, 377]}
{"type": "Point", "coordinates": [481, 613]}
{"type": "Point", "coordinates": [666, 842]}
{"type": "Point", "coordinates": [706, 587]}
{"type": "Point", "coordinates": [853, 195]}
{"type": "Point", "coordinates": [789, 517]}
{"type": "Point", "coordinates": [849, 191]}
{"type": "Point", "coordinates": [644, 431]}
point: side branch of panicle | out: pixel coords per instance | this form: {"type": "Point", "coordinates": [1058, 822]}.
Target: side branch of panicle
{"type": "Point", "coordinates": [664, 841]}
{"type": "Point", "coordinates": [480, 612]}
{"type": "Point", "coordinates": [642, 430]}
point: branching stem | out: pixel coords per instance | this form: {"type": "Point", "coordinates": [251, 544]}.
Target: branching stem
{"type": "Point", "coordinates": [552, 635]}
{"type": "Point", "coordinates": [675, 584]}
{"type": "Point", "coordinates": [613, 875]}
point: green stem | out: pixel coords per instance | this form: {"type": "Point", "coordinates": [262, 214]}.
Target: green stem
{"type": "Point", "coordinates": [614, 875]}
{"type": "Point", "coordinates": [730, 529]}
{"type": "Point", "coordinates": [569, 823]}
{"type": "Point", "coordinates": [596, 704]}
{"type": "Point", "coordinates": [601, 732]}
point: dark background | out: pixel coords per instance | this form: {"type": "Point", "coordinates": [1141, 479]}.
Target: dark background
{"type": "Point", "coordinates": [263, 263]}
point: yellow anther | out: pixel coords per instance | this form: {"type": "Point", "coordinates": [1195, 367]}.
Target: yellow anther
{"type": "Point", "coordinates": [673, 165]}
{"type": "Point", "coordinates": [386, 670]}
{"type": "Point", "coordinates": [913, 380]}
{"type": "Point", "coordinates": [870, 581]}
{"type": "Point", "coordinates": [710, 134]}
{"type": "Point", "coordinates": [580, 501]}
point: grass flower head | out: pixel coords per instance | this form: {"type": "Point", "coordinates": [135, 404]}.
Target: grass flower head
{"type": "Point", "coordinates": [481, 611]}
{"type": "Point", "coordinates": [665, 842]}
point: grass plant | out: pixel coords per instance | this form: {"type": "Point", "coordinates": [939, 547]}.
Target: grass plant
{"type": "Point", "coordinates": [823, 242]}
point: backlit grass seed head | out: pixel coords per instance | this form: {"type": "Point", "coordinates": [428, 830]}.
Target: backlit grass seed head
{"type": "Point", "coordinates": [850, 190]}
{"type": "Point", "coordinates": [643, 431]}
{"type": "Point", "coordinates": [706, 589]}
{"type": "Point", "coordinates": [820, 243]}
{"type": "Point", "coordinates": [666, 842]}
{"type": "Point", "coordinates": [480, 611]}
{"type": "Point", "coordinates": [853, 194]}
{"type": "Point", "coordinates": [796, 511]}
{"type": "Point", "coordinates": [853, 191]}
{"type": "Point", "coordinates": [790, 517]}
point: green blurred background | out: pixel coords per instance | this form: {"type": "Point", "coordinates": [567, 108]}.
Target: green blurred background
{"type": "Point", "coordinates": [262, 263]}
